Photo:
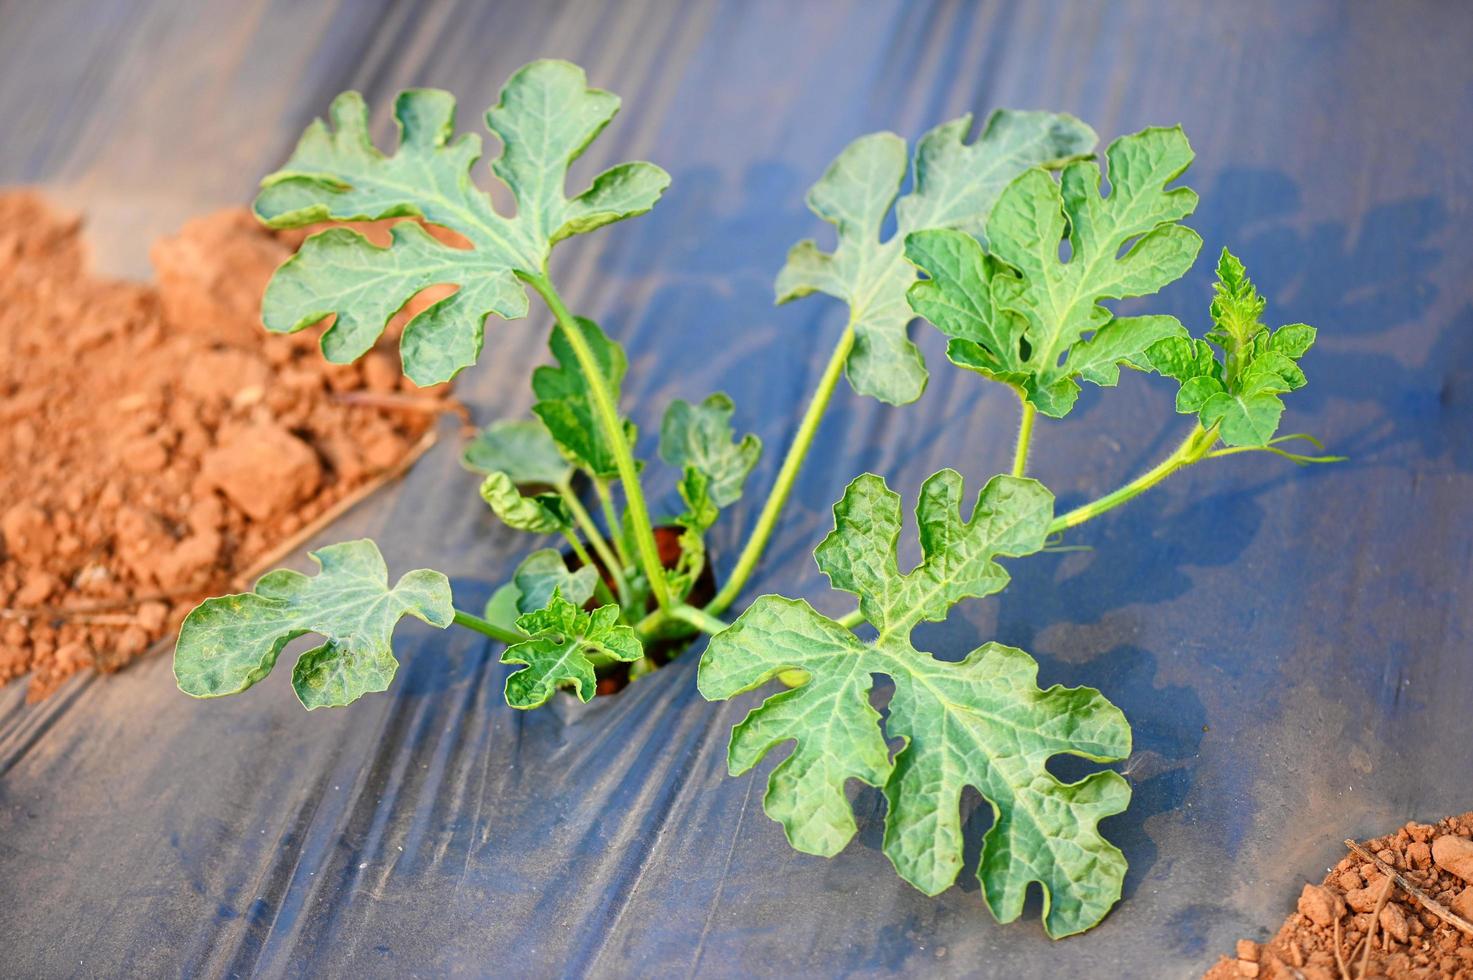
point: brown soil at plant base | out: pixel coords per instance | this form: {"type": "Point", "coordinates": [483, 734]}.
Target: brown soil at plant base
{"type": "Point", "coordinates": [615, 677]}
{"type": "Point", "coordinates": [157, 442]}
{"type": "Point", "coordinates": [1409, 940]}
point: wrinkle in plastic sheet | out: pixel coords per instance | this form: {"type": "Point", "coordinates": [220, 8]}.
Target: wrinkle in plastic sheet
{"type": "Point", "coordinates": [1291, 646]}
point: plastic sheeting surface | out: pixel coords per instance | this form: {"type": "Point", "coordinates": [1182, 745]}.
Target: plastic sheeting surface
{"type": "Point", "coordinates": [1291, 646]}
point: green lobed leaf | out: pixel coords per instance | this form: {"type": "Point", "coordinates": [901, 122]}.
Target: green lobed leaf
{"type": "Point", "coordinates": [1023, 316]}
{"type": "Point", "coordinates": [523, 450]}
{"type": "Point", "coordinates": [565, 401]}
{"type": "Point", "coordinates": [562, 637]}
{"type": "Point", "coordinates": [546, 117]}
{"type": "Point", "coordinates": [956, 184]}
{"type": "Point", "coordinates": [540, 513]}
{"type": "Point", "coordinates": [1240, 393]}
{"type": "Point", "coordinates": [982, 722]}
{"type": "Point", "coordinates": [700, 437]}
{"type": "Point", "coordinates": [543, 574]}
{"type": "Point", "coordinates": [227, 644]}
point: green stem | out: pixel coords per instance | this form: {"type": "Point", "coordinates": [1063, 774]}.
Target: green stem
{"type": "Point", "coordinates": [616, 527]}
{"type": "Point", "coordinates": [1193, 448]}
{"type": "Point", "coordinates": [786, 476]}
{"type": "Point", "coordinates": [851, 619]}
{"type": "Point", "coordinates": [1025, 436]}
{"type": "Point", "coordinates": [613, 430]}
{"type": "Point", "coordinates": [590, 530]}
{"type": "Point", "coordinates": [698, 618]}
{"type": "Point", "coordinates": [473, 622]}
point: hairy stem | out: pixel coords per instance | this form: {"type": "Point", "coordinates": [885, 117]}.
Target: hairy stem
{"type": "Point", "coordinates": [611, 518]}
{"type": "Point", "coordinates": [1193, 448]}
{"type": "Point", "coordinates": [612, 565]}
{"type": "Point", "coordinates": [608, 420]}
{"type": "Point", "coordinates": [786, 475]}
{"type": "Point", "coordinates": [851, 619]}
{"type": "Point", "coordinates": [473, 622]}
{"type": "Point", "coordinates": [1025, 436]}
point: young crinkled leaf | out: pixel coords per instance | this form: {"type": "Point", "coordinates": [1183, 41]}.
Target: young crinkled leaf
{"type": "Point", "coordinates": [956, 184]}
{"type": "Point", "coordinates": [982, 722]}
{"type": "Point", "coordinates": [700, 437]}
{"type": "Point", "coordinates": [539, 513]}
{"type": "Point", "coordinates": [1017, 313]}
{"type": "Point", "coordinates": [543, 574]}
{"type": "Point", "coordinates": [546, 117]}
{"type": "Point", "coordinates": [699, 441]}
{"type": "Point", "coordinates": [1241, 393]}
{"type": "Point", "coordinates": [565, 402]}
{"type": "Point", "coordinates": [229, 643]}
{"type": "Point", "coordinates": [557, 655]}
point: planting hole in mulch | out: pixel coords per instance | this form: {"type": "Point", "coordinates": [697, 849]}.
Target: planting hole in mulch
{"type": "Point", "coordinates": [161, 446]}
{"type": "Point", "coordinates": [614, 677]}
{"type": "Point", "coordinates": [1397, 906]}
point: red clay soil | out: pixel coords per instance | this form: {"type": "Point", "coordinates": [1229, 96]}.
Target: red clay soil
{"type": "Point", "coordinates": [1409, 939]}
{"type": "Point", "coordinates": [156, 441]}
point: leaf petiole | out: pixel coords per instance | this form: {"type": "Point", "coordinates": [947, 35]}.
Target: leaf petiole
{"type": "Point", "coordinates": [487, 628]}
{"type": "Point", "coordinates": [608, 417]}
{"type": "Point", "coordinates": [1025, 435]}
{"type": "Point", "coordinates": [699, 618]}
{"type": "Point", "coordinates": [611, 518]}
{"type": "Point", "coordinates": [1194, 447]}
{"type": "Point", "coordinates": [787, 474]}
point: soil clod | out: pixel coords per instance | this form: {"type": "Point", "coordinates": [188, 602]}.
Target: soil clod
{"type": "Point", "coordinates": [1406, 917]}
{"type": "Point", "coordinates": [158, 442]}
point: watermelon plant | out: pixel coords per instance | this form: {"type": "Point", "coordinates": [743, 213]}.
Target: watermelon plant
{"type": "Point", "coordinates": [1004, 241]}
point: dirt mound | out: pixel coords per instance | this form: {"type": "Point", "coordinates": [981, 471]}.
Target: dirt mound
{"type": "Point", "coordinates": [1356, 904]}
{"type": "Point", "coordinates": [158, 443]}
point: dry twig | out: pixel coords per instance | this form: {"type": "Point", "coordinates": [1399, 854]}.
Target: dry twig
{"type": "Point", "coordinates": [1370, 939]}
{"type": "Point", "coordinates": [1426, 901]}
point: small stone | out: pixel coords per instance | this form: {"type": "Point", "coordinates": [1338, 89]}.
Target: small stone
{"type": "Point", "coordinates": [1394, 921]}
{"type": "Point", "coordinates": [1462, 904]}
{"type": "Point", "coordinates": [225, 374]}
{"type": "Point", "coordinates": [1248, 950]}
{"type": "Point", "coordinates": [1361, 899]}
{"type": "Point", "coordinates": [1419, 855]}
{"type": "Point", "coordinates": [380, 372]}
{"type": "Point", "coordinates": [151, 615]}
{"type": "Point", "coordinates": [26, 531]}
{"type": "Point", "coordinates": [1247, 969]}
{"type": "Point", "coordinates": [1320, 905]}
{"type": "Point", "coordinates": [143, 455]}
{"type": "Point", "coordinates": [36, 588]}
{"type": "Point", "coordinates": [1420, 832]}
{"type": "Point", "coordinates": [73, 656]}
{"type": "Point", "coordinates": [131, 642]}
{"type": "Point", "coordinates": [262, 469]}
{"type": "Point", "coordinates": [1454, 854]}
